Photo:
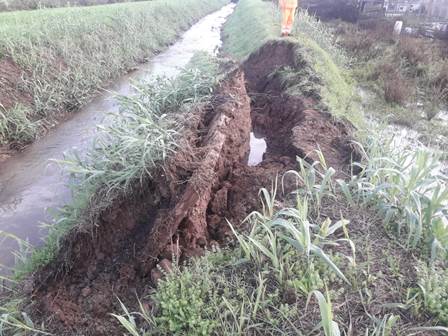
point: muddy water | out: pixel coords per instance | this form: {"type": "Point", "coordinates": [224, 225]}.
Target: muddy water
{"type": "Point", "coordinates": [29, 185]}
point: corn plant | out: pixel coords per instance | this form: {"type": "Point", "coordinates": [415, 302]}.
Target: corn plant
{"type": "Point", "coordinates": [274, 234]}
{"type": "Point", "coordinates": [330, 327]}
{"type": "Point", "coordinates": [316, 179]}
{"type": "Point", "coordinates": [409, 191]}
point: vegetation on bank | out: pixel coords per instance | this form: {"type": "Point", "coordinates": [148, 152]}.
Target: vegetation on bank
{"type": "Point", "coordinates": [54, 60]}
{"type": "Point", "coordinates": [11, 5]}
{"type": "Point", "coordinates": [125, 154]}
{"type": "Point", "coordinates": [408, 75]}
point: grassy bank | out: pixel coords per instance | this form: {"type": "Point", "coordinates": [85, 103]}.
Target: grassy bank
{"type": "Point", "coordinates": [52, 61]}
{"type": "Point", "coordinates": [12, 5]}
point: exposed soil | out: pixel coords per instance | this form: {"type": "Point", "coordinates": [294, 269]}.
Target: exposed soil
{"type": "Point", "coordinates": [204, 184]}
{"type": "Point", "coordinates": [10, 79]}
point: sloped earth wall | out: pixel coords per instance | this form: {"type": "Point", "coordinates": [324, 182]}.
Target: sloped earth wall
{"type": "Point", "coordinates": [204, 184]}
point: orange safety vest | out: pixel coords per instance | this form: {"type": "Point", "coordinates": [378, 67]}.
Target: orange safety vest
{"type": "Point", "coordinates": [288, 3]}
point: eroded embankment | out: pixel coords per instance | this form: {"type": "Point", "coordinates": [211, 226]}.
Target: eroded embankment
{"type": "Point", "coordinates": [202, 186]}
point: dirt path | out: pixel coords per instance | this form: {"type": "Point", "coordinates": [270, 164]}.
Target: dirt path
{"type": "Point", "coordinates": [116, 256]}
{"type": "Point", "coordinates": [29, 184]}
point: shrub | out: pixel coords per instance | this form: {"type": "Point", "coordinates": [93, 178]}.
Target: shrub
{"type": "Point", "coordinates": [396, 89]}
{"type": "Point", "coordinates": [184, 302]}
{"type": "Point", "coordinates": [433, 284]}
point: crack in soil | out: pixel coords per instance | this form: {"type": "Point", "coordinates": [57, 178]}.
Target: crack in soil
{"type": "Point", "coordinates": [117, 256]}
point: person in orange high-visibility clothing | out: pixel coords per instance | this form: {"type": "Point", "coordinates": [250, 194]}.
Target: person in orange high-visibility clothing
{"type": "Point", "coordinates": [288, 8]}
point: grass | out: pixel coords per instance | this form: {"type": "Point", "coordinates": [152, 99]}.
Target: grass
{"type": "Point", "coordinates": [263, 19]}
{"type": "Point", "coordinates": [270, 282]}
{"type": "Point", "coordinates": [11, 5]}
{"type": "Point", "coordinates": [365, 255]}
{"type": "Point", "coordinates": [410, 192]}
{"type": "Point", "coordinates": [408, 75]}
{"type": "Point", "coordinates": [67, 54]}
{"type": "Point", "coordinates": [126, 153]}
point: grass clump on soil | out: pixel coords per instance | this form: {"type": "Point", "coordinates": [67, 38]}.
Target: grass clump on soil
{"type": "Point", "coordinates": [127, 149]}
{"type": "Point", "coordinates": [15, 125]}
{"type": "Point", "coordinates": [56, 59]}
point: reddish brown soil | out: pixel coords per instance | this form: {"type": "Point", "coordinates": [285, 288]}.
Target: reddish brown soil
{"type": "Point", "coordinates": [204, 184]}
{"type": "Point", "coordinates": [10, 78]}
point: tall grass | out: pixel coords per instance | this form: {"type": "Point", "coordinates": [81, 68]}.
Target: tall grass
{"type": "Point", "coordinates": [409, 190]}
{"type": "Point", "coordinates": [67, 54]}
{"type": "Point", "coordinates": [11, 5]}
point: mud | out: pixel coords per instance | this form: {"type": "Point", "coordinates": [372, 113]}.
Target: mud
{"type": "Point", "coordinates": [201, 187]}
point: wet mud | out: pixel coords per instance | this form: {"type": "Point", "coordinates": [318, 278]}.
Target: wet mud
{"type": "Point", "coordinates": [186, 208]}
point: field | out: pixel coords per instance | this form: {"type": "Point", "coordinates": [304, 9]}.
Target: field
{"type": "Point", "coordinates": [11, 5]}
{"type": "Point", "coordinates": [53, 61]}
{"type": "Point", "coordinates": [336, 231]}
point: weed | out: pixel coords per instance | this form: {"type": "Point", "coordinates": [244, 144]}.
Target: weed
{"type": "Point", "coordinates": [16, 127]}
{"type": "Point", "coordinates": [383, 327]}
{"type": "Point", "coordinates": [408, 190]}
{"type": "Point", "coordinates": [330, 327]}
{"type": "Point", "coordinates": [433, 291]}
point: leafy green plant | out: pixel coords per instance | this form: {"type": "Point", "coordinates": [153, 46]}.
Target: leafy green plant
{"type": "Point", "coordinates": [330, 327]}
{"type": "Point", "coordinates": [433, 286]}
{"type": "Point", "coordinates": [271, 237]}
{"type": "Point", "coordinates": [383, 327]}
{"type": "Point", "coordinates": [408, 189]}
{"type": "Point", "coordinates": [316, 179]}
